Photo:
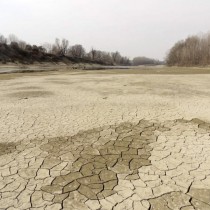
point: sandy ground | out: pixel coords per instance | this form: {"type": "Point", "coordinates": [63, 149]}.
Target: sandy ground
{"type": "Point", "coordinates": [115, 139]}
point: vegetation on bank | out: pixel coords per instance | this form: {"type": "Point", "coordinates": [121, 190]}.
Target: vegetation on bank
{"type": "Point", "coordinates": [146, 61]}
{"type": "Point", "coordinates": [13, 49]}
{"type": "Point", "coordinates": [193, 51]}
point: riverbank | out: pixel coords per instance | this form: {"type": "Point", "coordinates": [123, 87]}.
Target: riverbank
{"type": "Point", "coordinates": [112, 139]}
{"type": "Point", "coordinates": [47, 67]}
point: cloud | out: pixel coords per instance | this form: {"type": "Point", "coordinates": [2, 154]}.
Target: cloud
{"type": "Point", "coordinates": [133, 27]}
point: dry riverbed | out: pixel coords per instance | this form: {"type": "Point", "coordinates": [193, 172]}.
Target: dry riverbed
{"type": "Point", "coordinates": [111, 140]}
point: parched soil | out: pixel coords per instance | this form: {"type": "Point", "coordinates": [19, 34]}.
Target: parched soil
{"type": "Point", "coordinates": [109, 140]}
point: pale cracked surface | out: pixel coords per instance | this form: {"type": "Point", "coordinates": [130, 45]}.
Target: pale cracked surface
{"type": "Point", "coordinates": [105, 141]}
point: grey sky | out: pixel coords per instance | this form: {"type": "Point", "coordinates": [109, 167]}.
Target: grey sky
{"type": "Point", "coordinates": [133, 27]}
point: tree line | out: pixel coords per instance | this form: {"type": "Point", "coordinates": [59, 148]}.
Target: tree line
{"type": "Point", "coordinates": [61, 47]}
{"type": "Point", "coordinates": [193, 51]}
{"type": "Point", "coordinates": [146, 61]}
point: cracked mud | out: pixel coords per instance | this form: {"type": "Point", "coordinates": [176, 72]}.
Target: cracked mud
{"type": "Point", "coordinates": [81, 152]}
{"type": "Point", "coordinates": [128, 166]}
{"type": "Point", "coordinates": [94, 173]}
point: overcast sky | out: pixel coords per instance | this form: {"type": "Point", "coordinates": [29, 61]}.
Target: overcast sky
{"type": "Point", "coordinates": [133, 27]}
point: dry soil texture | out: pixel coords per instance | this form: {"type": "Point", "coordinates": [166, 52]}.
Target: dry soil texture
{"type": "Point", "coordinates": [116, 140]}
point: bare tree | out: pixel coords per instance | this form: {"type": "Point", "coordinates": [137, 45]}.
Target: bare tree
{"type": "Point", "coordinates": [116, 57]}
{"type": "Point", "coordinates": [3, 40]}
{"type": "Point", "coordinates": [125, 61]}
{"type": "Point", "coordinates": [92, 54]}
{"type": "Point", "coordinates": [98, 55]}
{"type": "Point", "coordinates": [48, 47]}
{"type": "Point", "coordinates": [145, 61]}
{"type": "Point", "coordinates": [60, 47]}
{"type": "Point", "coordinates": [95, 55]}
{"type": "Point", "coordinates": [77, 51]}
{"type": "Point", "coordinates": [22, 44]}
{"type": "Point", "coordinates": [12, 38]}
{"type": "Point", "coordinates": [195, 50]}
{"type": "Point", "coordinates": [106, 58]}
{"type": "Point", "coordinates": [64, 46]}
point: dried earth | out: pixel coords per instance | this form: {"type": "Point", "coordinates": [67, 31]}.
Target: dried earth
{"type": "Point", "coordinates": [103, 140]}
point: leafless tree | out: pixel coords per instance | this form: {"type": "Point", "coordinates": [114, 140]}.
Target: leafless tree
{"type": "Point", "coordinates": [116, 57]}
{"type": "Point", "coordinates": [12, 38]}
{"type": "Point", "coordinates": [195, 50]}
{"type": "Point", "coordinates": [106, 58]}
{"type": "Point", "coordinates": [77, 51]}
{"type": "Point", "coordinates": [92, 54]}
{"type": "Point", "coordinates": [60, 47]}
{"type": "Point", "coordinates": [125, 61]}
{"type": "Point", "coordinates": [22, 44]}
{"type": "Point", "coordinates": [145, 61]}
{"type": "Point", "coordinates": [48, 47]}
{"type": "Point", "coordinates": [64, 46]}
{"type": "Point", "coordinates": [3, 40]}
{"type": "Point", "coordinates": [97, 55]}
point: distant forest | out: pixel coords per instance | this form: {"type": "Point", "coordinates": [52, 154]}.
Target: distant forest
{"type": "Point", "coordinates": [13, 49]}
{"type": "Point", "coordinates": [193, 51]}
{"type": "Point", "coordinates": [146, 61]}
